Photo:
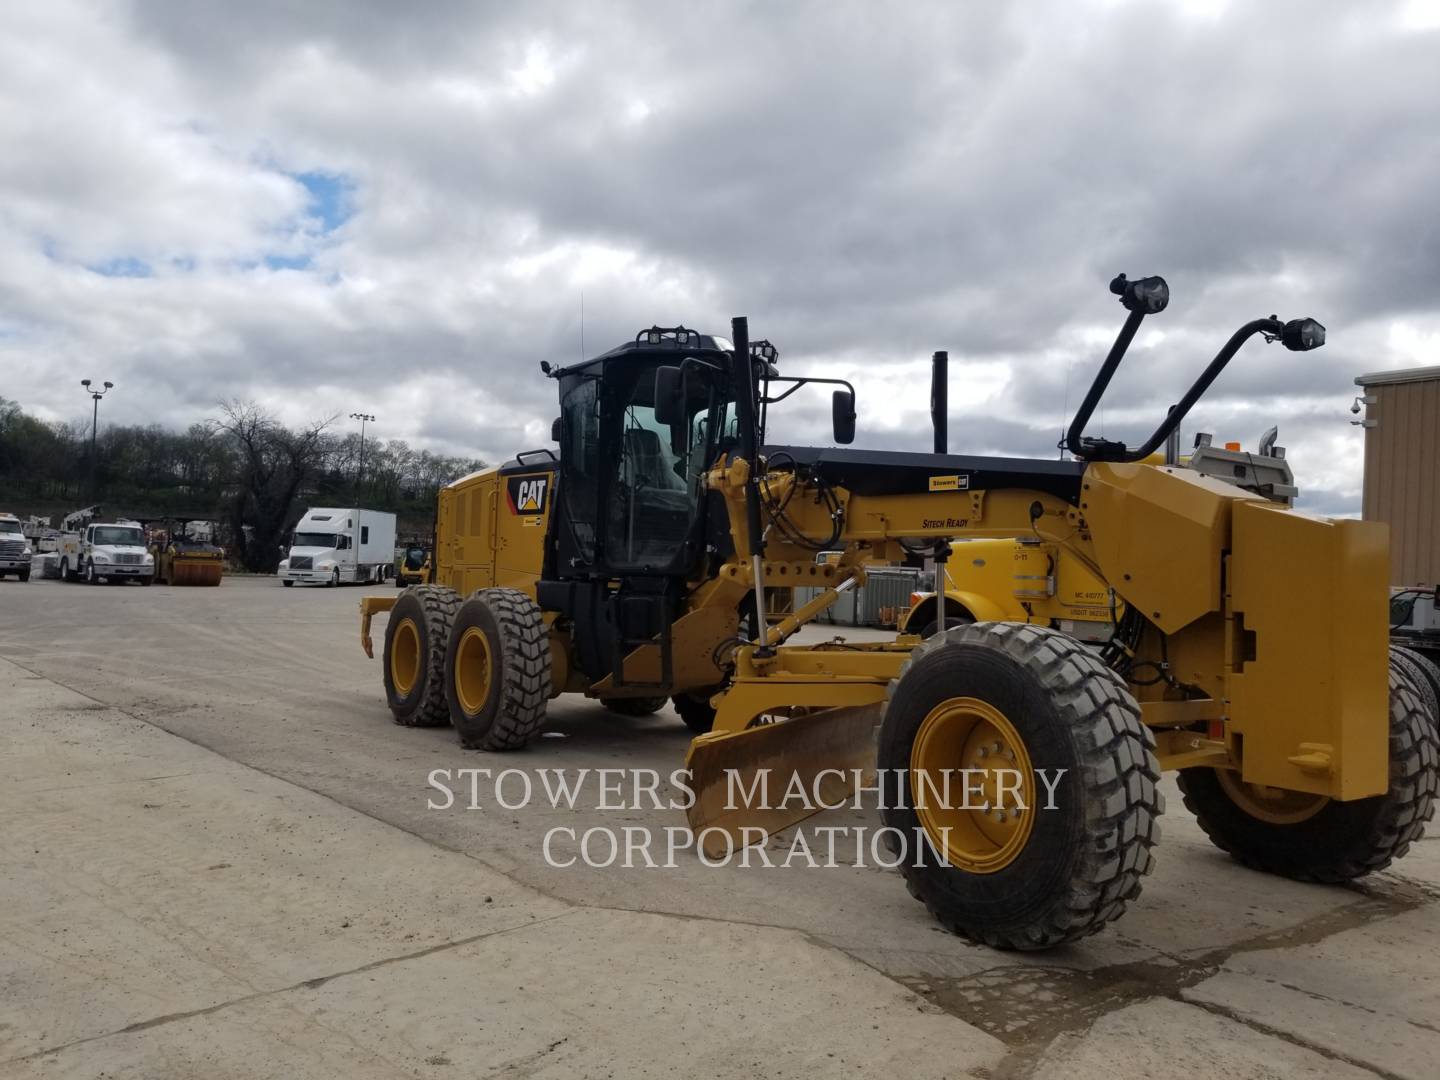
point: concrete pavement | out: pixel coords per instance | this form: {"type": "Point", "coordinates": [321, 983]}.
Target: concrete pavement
{"type": "Point", "coordinates": [220, 858]}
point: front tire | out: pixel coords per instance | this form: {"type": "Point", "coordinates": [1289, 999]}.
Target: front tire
{"type": "Point", "coordinates": [1423, 673]}
{"type": "Point", "coordinates": [695, 709]}
{"type": "Point", "coordinates": [91, 578]}
{"type": "Point", "coordinates": [1311, 837]}
{"type": "Point", "coordinates": [287, 583]}
{"type": "Point", "coordinates": [498, 670]}
{"type": "Point", "coordinates": [952, 622]}
{"type": "Point", "coordinates": [416, 637]}
{"type": "Point", "coordinates": [1018, 707]}
{"type": "Point", "coordinates": [24, 575]}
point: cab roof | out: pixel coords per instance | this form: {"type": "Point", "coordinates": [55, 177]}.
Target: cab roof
{"type": "Point", "coordinates": [657, 340]}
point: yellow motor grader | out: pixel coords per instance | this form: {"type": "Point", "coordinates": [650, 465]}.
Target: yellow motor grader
{"type": "Point", "coordinates": [1017, 768]}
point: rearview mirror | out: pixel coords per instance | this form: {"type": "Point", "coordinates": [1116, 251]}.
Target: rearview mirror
{"type": "Point", "coordinates": [669, 396]}
{"type": "Point", "coordinates": [555, 430]}
{"type": "Point", "coordinates": [842, 416]}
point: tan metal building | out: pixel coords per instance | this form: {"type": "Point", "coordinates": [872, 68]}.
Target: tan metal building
{"type": "Point", "coordinates": [1402, 468]}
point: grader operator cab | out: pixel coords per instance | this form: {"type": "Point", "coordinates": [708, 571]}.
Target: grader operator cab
{"type": "Point", "coordinates": [1016, 767]}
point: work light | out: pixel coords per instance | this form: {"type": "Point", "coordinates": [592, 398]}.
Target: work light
{"type": "Point", "coordinates": [1302, 335]}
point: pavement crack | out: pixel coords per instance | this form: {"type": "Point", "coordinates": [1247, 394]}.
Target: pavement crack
{"type": "Point", "coordinates": [1028, 1008]}
{"type": "Point", "coordinates": [304, 984]}
{"type": "Point", "coordinates": [1286, 1036]}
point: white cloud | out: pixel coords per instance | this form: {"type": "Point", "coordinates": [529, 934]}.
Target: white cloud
{"type": "Point", "coordinates": [868, 184]}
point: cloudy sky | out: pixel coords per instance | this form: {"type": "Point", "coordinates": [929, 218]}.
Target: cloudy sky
{"type": "Point", "coordinates": [395, 208]}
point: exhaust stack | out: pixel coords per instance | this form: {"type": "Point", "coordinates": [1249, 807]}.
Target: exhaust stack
{"type": "Point", "coordinates": [940, 400]}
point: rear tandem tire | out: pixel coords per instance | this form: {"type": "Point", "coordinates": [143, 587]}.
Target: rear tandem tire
{"type": "Point", "coordinates": [416, 637]}
{"type": "Point", "coordinates": [497, 670]}
{"type": "Point", "coordinates": [1325, 840]}
{"type": "Point", "coordinates": [1029, 702]}
{"type": "Point", "coordinates": [635, 706]}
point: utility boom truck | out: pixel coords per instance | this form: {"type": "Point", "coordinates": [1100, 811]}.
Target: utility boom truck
{"type": "Point", "coordinates": [102, 551]}
{"type": "Point", "coordinates": [1252, 653]}
{"type": "Point", "coordinates": [338, 546]}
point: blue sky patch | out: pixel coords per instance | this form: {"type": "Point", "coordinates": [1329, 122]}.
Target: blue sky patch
{"type": "Point", "coordinates": [287, 262]}
{"type": "Point", "coordinates": [329, 198]}
{"type": "Point", "coordinates": [129, 266]}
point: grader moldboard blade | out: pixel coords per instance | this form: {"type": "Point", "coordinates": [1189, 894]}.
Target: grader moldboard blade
{"type": "Point", "coordinates": [741, 778]}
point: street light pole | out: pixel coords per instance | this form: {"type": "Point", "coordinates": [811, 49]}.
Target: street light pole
{"type": "Point", "coordinates": [360, 469]}
{"type": "Point", "coordinates": [95, 396]}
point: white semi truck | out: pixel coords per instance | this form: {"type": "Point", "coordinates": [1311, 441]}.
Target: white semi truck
{"type": "Point", "coordinates": [14, 548]}
{"type": "Point", "coordinates": [337, 546]}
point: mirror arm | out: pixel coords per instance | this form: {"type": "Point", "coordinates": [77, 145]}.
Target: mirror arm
{"type": "Point", "coordinates": [1270, 327]}
{"type": "Point", "coordinates": [1110, 451]}
{"type": "Point", "coordinates": [802, 380]}
{"type": "Point", "coordinates": [1074, 436]}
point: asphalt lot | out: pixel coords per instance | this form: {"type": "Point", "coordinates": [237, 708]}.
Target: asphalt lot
{"type": "Point", "coordinates": [1215, 971]}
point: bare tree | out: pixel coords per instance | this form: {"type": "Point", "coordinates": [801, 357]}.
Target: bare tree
{"type": "Point", "coordinates": [273, 464]}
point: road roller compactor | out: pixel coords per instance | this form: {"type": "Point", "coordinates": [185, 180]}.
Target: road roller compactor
{"type": "Point", "coordinates": [1016, 768]}
{"type": "Point", "coordinates": [185, 555]}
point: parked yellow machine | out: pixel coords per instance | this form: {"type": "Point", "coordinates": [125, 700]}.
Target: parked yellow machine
{"type": "Point", "coordinates": [1026, 580]}
{"type": "Point", "coordinates": [182, 559]}
{"type": "Point", "coordinates": [413, 567]}
{"type": "Point", "coordinates": [1032, 580]}
{"type": "Point", "coordinates": [1251, 653]}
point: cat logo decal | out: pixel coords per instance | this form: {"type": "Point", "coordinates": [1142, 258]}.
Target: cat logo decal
{"type": "Point", "coordinates": [526, 494]}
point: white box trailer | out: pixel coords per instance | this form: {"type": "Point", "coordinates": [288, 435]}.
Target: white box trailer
{"type": "Point", "coordinates": [340, 545]}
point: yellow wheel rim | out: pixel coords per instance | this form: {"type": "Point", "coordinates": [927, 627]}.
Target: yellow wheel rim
{"type": "Point", "coordinates": [405, 657]}
{"type": "Point", "coordinates": [981, 821]}
{"type": "Point", "coordinates": [1276, 806]}
{"type": "Point", "coordinates": [472, 670]}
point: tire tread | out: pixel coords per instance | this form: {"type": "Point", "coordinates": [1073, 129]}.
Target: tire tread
{"type": "Point", "coordinates": [1121, 771]}
{"type": "Point", "coordinates": [524, 670]}
{"type": "Point", "coordinates": [438, 605]}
